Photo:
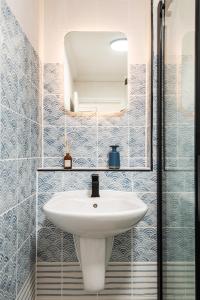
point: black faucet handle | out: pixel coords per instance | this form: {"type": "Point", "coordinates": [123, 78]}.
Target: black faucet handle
{"type": "Point", "coordinates": [95, 177]}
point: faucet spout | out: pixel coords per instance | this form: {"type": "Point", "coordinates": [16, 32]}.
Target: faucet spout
{"type": "Point", "coordinates": [95, 186]}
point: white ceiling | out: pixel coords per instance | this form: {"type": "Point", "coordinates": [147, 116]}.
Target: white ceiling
{"type": "Point", "coordinates": [92, 59]}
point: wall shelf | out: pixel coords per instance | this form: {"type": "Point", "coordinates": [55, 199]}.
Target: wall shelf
{"type": "Point", "coordinates": [92, 170]}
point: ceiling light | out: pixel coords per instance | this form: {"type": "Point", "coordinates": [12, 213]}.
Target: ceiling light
{"type": "Point", "coordinates": [120, 45]}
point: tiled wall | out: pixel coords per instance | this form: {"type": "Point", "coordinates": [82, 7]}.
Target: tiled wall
{"type": "Point", "coordinates": [89, 139]}
{"type": "Point", "coordinates": [20, 153]}
{"type": "Point", "coordinates": [137, 245]}
{"type": "Point", "coordinates": [90, 135]}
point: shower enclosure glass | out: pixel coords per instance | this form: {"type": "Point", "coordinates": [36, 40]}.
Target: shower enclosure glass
{"type": "Point", "coordinates": [178, 155]}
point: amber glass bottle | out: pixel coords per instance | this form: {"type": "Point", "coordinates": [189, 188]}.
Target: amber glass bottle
{"type": "Point", "coordinates": [67, 161]}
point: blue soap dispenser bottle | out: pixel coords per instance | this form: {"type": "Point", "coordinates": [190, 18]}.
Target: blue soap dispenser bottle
{"type": "Point", "coordinates": [114, 158]}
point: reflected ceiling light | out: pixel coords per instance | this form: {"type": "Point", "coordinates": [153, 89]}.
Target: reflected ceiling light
{"type": "Point", "coordinates": [120, 45]}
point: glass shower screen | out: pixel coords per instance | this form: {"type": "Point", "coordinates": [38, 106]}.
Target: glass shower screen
{"type": "Point", "coordinates": [178, 166]}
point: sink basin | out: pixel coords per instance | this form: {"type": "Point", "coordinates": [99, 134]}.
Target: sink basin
{"type": "Point", "coordinates": [94, 222]}
{"type": "Point", "coordinates": [111, 214]}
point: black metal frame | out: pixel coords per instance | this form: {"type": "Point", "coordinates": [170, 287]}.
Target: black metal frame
{"type": "Point", "coordinates": [197, 149]}
{"type": "Point", "coordinates": [161, 166]}
{"type": "Point", "coordinates": [159, 144]}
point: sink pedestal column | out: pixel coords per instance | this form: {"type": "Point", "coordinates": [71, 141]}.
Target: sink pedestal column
{"type": "Point", "coordinates": [93, 255]}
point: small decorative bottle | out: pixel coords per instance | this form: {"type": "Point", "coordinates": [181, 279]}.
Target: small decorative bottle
{"type": "Point", "coordinates": [67, 159]}
{"type": "Point", "coordinates": [114, 158]}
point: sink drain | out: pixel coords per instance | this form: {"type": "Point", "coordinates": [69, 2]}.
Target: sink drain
{"type": "Point", "coordinates": [95, 205]}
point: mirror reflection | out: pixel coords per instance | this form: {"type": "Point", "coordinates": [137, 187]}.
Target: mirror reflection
{"type": "Point", "coordinates": [96, 71]}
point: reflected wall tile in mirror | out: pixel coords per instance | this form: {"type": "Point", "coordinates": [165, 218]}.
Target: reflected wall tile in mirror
{"type": "Point", "coordinates": [113, 119]}
{"type": "Point", "coordinates": [81, 119]}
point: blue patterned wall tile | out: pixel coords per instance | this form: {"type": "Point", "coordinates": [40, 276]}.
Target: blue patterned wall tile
{"type": "Point", "coordinates": [35, 67]}
{"type": "Point", "coordinates": [118, 181]}
{"type": "Point", "coordinates": [137, 141]}
{"type": "Point", "coordinates": [173, 181]}
{"type": "Point", "coordinates": [24, 131]}
{"type": "Point", "coordinates": [150, 219]}
{"type": "Point", "coordinates": [189, 181]}
{"type": "Point", "coordinates": [82, 141]}
{"type": "Point", "coordinates": [53, 107]}
{"type": "Point", "coordinates": [8, 185]}
{"type": "Point", "coordinates": [35, 140]}
{"type": "Point", "coordinates": [77, 181]}
{"type": "Point", "coordinates": [8, 281]}
{"type": "Point", "coordinates": [187, 163]}
{"type": "Point", "coordinates": [115, 119]}
{"type": "Point", "coordinates": [56, 162]}
{"type": "Point", "coordinates": [54, 146]}
{"type": "Point", "coordinates": [171, 139]}
{"type": "Point", "coordinates": [8, 236]}
{"type": "Point", "coordinates": [42, 199]}
{"type": "Point", "coordinates": [32, 201]}
{"type": "Point", "coordinates": [137, 81]}
{"type": "Point", "coordinates": [138, 162]}
{"type": "Point", "coordinates": [144, 244]}
{"type": "Point", "coordinates": [108, 136]}
{"type": "Point", "coordinates": [35, 164]}
{"type": "Point", "coordinates": [23, 264]}
{"type": "Point", "coordinates": [81, 119]}
{"type": "Point", "coordinates": [53, 79]}
{"type": "Point", "coordinates": [24, 179]}
{"type": "Point", "coordinates": [49, 245]}
{"type": "Point", "coordinates": [82, 162]}
{"type": "Point", "coordinates": [137, 110]}
{"type": "Point", "coordinates": [69, 252]}
{"type": "Point", "coordinates": [35, 104]}
{"type": "Point", "coordinates": [170, 79]}
{"type": "Point", "coordinates": [8, 87]}
{"type": "Point", "coordinates": [144, 181]}
{"type": "Point", "coordinates": [8, 134]}
{"type": "Point", "coordinates": [50, 182]}
{"type": "Point", "coordinates": [33, 256]}
{"type": "Point", "coordinates": [178, 244]}
{"type": "Point", "coordinates": [122, 251]}
{"type": "Point", "coordinates": [186, 141]}
{"type": "Point", "coordinates": [178, 210]}
{"type": "Point", "coordinates": [24, 222]}
{"type": "Point", "coordinates": [170, 110]}
{"type": "Point", "coordinates": [24, 96]}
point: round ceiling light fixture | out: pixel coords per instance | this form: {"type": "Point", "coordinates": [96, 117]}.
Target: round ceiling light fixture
{"type": "Point", "coordinates": [120, 45]}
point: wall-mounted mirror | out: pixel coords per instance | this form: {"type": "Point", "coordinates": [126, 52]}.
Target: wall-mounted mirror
{"type": "Point", "coordinates": [96, 71]}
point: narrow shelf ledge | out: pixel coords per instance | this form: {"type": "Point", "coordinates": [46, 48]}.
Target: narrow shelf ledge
{"type": "Point", "coordinates": [93, 170]}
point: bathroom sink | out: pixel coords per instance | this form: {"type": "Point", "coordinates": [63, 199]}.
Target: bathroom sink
{"type": "Point", "coordinates": [77, 213]}
{"type": "Point", "coordinates": [94, 222]}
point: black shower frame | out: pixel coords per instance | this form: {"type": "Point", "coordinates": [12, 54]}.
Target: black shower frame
{"type": "Point", "coordinates": [160, 144]}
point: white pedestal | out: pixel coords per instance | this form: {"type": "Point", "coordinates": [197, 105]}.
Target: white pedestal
{"type": "Point", "coordinates": [93, 255]}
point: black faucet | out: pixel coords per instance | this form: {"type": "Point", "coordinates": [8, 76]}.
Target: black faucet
{"type": "Point", "coordinates": [95, 185]}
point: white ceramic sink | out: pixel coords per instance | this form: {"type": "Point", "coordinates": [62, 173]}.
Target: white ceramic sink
{"type": "Point", "coordinates": [94, 222]}
{"type": "Point", "coordinates": [113, 213]}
